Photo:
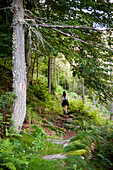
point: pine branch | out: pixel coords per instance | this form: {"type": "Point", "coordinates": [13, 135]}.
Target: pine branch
{"type": "Point", "coordinates": [97, 46]}
{"type": "Point", "coordinates": [61, 25]}
{"type": "Point", "coordinates": [72, 27]}
{"type": "Point", "coordinates": [34, 19]}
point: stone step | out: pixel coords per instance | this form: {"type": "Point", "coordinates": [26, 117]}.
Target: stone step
{"type": "Point", "coordinates": [68, 126]}
{"type": "Point", "coordinates": [55, 156]}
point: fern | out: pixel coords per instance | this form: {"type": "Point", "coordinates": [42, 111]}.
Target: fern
{"type": "Point", "coordinates": [12, 156]}
{"type": "Point", "coordinates": [87, 137]}
{"type": "Point", "coordinates": [74, 146]}
{"type": "Point", "coordinates": [81, 163]}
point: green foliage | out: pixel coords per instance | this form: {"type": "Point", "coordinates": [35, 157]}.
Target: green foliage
{"type": "Point", "coordinates": [40, 90]}
{"type": "Point", "coordinates": [41, 164]}
{"type": "Point", "coordinates": [53, 105]}
{"type": "Point", "coordinates": [79, 162]}
{"type": "Point", "coordinates": [75, 146]}
{"type": "Point", "coordinates": [32, 115]}
{"type": "Point", "coordinates": [103, 153]}
{"type": "Point", "coordinates": [59, 90]}
{"type": "Point", "coordinates": [6, 104]}
{"type": "Point", "coordinates": [25, 151]}
{"type": "Point", "coordinates": [34, 141]}
{"type": "Point", "coordinates": [87, 111]}
{"type": "Point", "coordinates": [76, 105]}
{"type": "Point", "coordinates": [12, 156]}
{"type": "Point", "coordinates": [94, 139]}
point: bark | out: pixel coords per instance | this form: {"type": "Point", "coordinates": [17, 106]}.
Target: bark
{"type": "Point", "coordinates": [94, 99]}
{"type": "Point", "coordinates": [83, 91]}
{"type": "Point", "coordinates": [111, 114]}
{"type": "Point", "coordinates": [55, 70]}
{"type": "Point", "coordinates": [28, 58]}
{"type": "Point", "coordinates": [74, 85]}
{"type": "Point", "coordinates": [71, 27]}
{"type": "Point", "coordinates": [49, 74]}
{"type": "Point", "coordinates": [58, 73]}
{"type": "Point", "coordinates": [37, 67]}
{"type": "Point", "coordinates": [33, 70]}
{"type": "Point", "coordinates": [77, 90]}
{"type": "Point", "coordinates": [19, 66]}
{"type": "Point", "coordinates": [100, 107]}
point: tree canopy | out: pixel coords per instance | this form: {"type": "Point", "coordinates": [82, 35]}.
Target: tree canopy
{"type": "Point", "coordinates": [75, 29]}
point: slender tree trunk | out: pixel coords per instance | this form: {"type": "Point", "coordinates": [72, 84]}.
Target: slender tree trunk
{"type": "Point", "coordinates": [77, 90]}
{"type": "Point", "coordinates": [111, 114]}
{"type": "Point", "coordinates": [94, 99]}
{"type": "Point", "coordinates": [83, 91]}
{"type": "Point", "coordinates": [49, 74]}
{"type": "Point", "coordinates": [19, 66]}
{"type": "Point", "coordinates": [33, 70]}
{"type": "Point", "coordinates": [55, 70]}
{"type": "Point", "coordinates": [28, 59]}
{"type": "Point", "coordinates": [111, 105]}
{"type": "Point", "coordinates": [37, 67]}
{"type": "Point", "coordinates": [100, 106]}
{"type": "Point", "coordinates": [58, 73]}
{"type": "Point", "coordinates": [74, 85]}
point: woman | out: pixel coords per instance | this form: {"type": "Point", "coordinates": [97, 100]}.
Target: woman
{"type": "Point", "coordinates": [65, 102]}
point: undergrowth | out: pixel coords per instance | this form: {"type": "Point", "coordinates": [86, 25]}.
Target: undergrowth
{"type": "Point", "coordinates": [90, 149]}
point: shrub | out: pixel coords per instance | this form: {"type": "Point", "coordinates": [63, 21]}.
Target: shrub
{"type": "Point", "coordinates": [6, 104]}
{"type": "Point", "coordinates": [40, 90]}
{"type": "Point", "coordinates": [103, 154]}
{"type": "Point", "coordinates": [12, 155]}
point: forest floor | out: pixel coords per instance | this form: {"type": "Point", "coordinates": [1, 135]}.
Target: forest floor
{"type": "Point", "coordinates": [59, 126]}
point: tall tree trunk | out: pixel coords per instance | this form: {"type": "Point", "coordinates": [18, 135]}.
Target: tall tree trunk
{"type": "Point", "coordinates": [100, 106]}
{"type": "Point", "coordinates": [111, 105]}
{"type": "Point", "coordinates": [33, 70]}
{"type": "Point", "coordinates": [77, 90]}
{"type": "Point", "coordinates": [19, 66]}
{"type": "Point", "coordinates": [94, 99]}
{"type": "Point", "coordinates": [83, 91]}
{"type": "Point", "coordinates": [49, 74]}
{"type": "Point", "coordinates": [58, 73]}
{"type": "Point", "coordinates": [37, 67]}
{"type": "Point", "coordinates": [28, 58]}
{"type": "Point", "coordinates": [55, 70]}
{"type": "Point", "coordinates": [111, 114]}
{"type": "Point", "coordinates": [74, 85]}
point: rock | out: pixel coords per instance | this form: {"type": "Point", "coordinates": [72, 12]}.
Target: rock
{"type": "Point", "coordinates": [71, 121]}
{"type": "Point", "coordinates": [71, 116]}
{"type": "Point", "coordinates": [55, 156]}
{"type": "Point", "coordinates": [59, 142]}
{"type": "Point", "coordinates": [77, 152]}
{"type": "Point", "coordinates": [55, 128]}
{"type": "Point", "coordinates": [69, 126]}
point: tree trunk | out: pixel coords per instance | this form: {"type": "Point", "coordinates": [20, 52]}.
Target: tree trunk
{"type": "Point", "coordinates": [111, 114]}
{"type": "Point", "coordinates": [55, 70]}
{"type": "Point", "coordinates": [77, 90]}
{"type": "Point", "coordinates": [28, 58]}
{"type": "Point", "coordinates": [94, 99]}
{"type": "Point", "coordinates": [58, 73]}
{"type": "Point", "coordinates": [74, 85]}
{"type": "Point", "coordinates": [83, 91]}
{"type": "Point", "coordinates": [100, 106]}
{"type": "Point", "coordinates": [33, 70]}
{"type": "Point", "coordinates": [49, 74]}
{"type": "Point", "coordinates": [37, 67]}
{"type": "Point", "coordinates": [19, 66]}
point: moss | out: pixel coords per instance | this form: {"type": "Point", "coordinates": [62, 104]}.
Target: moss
{"type": "Point", "coordinates": [79, 152]}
